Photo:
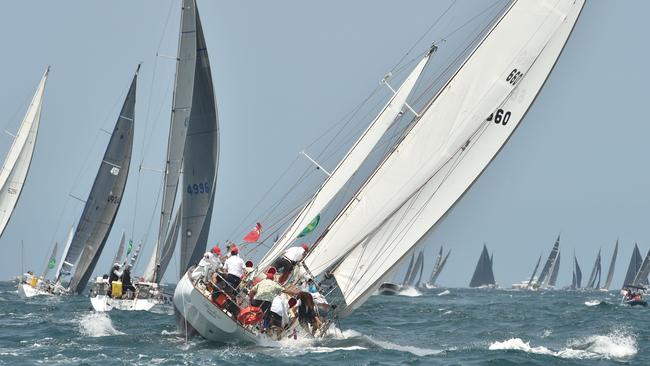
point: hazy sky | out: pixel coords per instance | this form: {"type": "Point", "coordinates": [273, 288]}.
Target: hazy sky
{"type": "Point", "coordinates": [287, 71]}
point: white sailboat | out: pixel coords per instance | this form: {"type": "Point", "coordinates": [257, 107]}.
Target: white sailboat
{"type": "Point", "coordinates": [447, 147]}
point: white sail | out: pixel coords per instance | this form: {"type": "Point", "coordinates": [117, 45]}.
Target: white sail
{"type": "Point", "coordinates": [59, 266]}
{"type": "Point", "coordinates": [19, 158]}
{"type": "Point", "coordinates": [448, 148]}
{"type": "Point", "coordinates": [350, 163]}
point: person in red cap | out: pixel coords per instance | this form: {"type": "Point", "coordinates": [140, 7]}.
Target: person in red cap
{"type": "Point", "coordinates": [209, 264]}
{"type": "Point", "coordinates": [289, 259]}
{"type": "Point", "coordinates": [262, 294]}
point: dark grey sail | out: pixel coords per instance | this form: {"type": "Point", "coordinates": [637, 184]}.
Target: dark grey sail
{"type": "Point", "coordinates": [643, 273]}
{"type": "Point", "coordinates": [635, 265]}
{"type": "Point", "coordinates": [577, 274]}
{"type": "Point", "coordinates": [612, 265]}
{"type": "Point", "coordinates": [556, 270]}
{"type": "Point", "coordinates": [436, 264]}
{"type": "Point", "coordinates": [440, 264]}
{"type": "Point", "coordinates": [532, 277]}
{"type": "Point", "coordinates": [416, 272]}
{"type": "Point", "coordinates": [546, 270]}
{"type": "Point", "coordinates": [483, 274]}
{"type": "Point", "coordinates": [200, 160]}
{"type": "Point", "coordinates": [595, 273]}
{"type": "Point", "coordinates": [409, 269]}
{"type": "Point", "coordinates": [105, 196]}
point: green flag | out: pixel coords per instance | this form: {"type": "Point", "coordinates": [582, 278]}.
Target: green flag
{"type": "Point", "coordinates": [52, 263]}
{"type": "Point", "coordinates": [310, 227]}
{"type": "Point", "coordinates": [130, 247]}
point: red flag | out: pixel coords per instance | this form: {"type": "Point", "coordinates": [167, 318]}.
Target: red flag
{"type": "Point", "coordinates": [254, 234]}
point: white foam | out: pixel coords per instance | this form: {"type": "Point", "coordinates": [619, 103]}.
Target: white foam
{"type": "Point", "coordinates": [409, 292]}
{"type": "Point", "coordinates": [420, 352]}
{"type": "Point", "coordinates": [546, 333]}
{"type": "Point", "coordinates": [97, 325]}
{"type": "Point", "coordinates": [446, 292]}
{"type": "Point", "coordinates": [592, 302]}
{"type": "Point", "coordinates": [614, 345]}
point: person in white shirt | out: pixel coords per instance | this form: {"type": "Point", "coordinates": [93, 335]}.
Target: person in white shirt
{"type": "Point", "coordinates": [234, 268]}
{"type": "Point", "coordinates": [279, 314]}
{"type": "Point", "coordinates": [208, 265]}
{"type": "Point", "coordinates": [289, 259]}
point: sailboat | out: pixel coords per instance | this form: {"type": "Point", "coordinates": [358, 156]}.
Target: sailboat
{"type": "Point", "coordinates": [610, 272]}
{"type": "Point", "coordinates": [633, 268]}
{"type": "Point", "coordinates": [483, 276]}
{"type": "Point", "coordinates": [634, 292]}
{"type": "Point", "coordinates": [14, 173]}
{"type": "Point", "coordinates": [413, 271]}
{"type": "Point", "coordinates": [438, 266]}
{"type": "Point", "coordinates": [445, 149]}
{"type": "Point", "coordinates": [85, 245]}
{"type": "Point", "coordinates": [594, 278]}
{"type": "Point", "coordinates": [548, 275]}
{"type": "Point", "coordinates": [530, 283]}
{"type": "Point", "coordinates": [576, 281]}
{"type": "Point", "coordinates": [191, 166]}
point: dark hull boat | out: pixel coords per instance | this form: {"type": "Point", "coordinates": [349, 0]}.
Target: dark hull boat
{"type": "Point", "coordinates": [388, 288]}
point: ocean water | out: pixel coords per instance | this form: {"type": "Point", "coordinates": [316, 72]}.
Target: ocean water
{"type": "Point", "coordinates": [418, 327]}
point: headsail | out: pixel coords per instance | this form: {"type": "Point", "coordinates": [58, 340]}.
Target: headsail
{"type": "Point", "coordinates": [416, 272]}
{"type": "Point", "coordinates": [483, 274]}
{"type": "Point", "coordinates": [120, 250]}
{"type": "Point", "coordinates": [532, 277]}
{"type": "Point", "coordinates": [350, 163]}
{"type": "Point", "coordinates": [555, 271]}
{"type": "Point", "coordinates": [447, 148]}
{"type": "Point", "coordinates": [546, 270]}
{"type": "Point", "coordinates": [612, 265]}
{"type": "Point", "coordinates": [59, 268]}
{"type": "Point", "coordinates": [643, 273]}
{"type": "Point", "coordinates": [595, 273]}
{"type": "Point", "coordinates": [409, 269]}
{"type": "Point", "coordinates": [51, 261]}
{"type": "Point", "coordinates": [435, 276]}
{"type": "Point", "coordinates": [19, 158]}
{"type": "Point", "coordinates": [104, 198]}
{"type": "Point", "coordinates": [633, 268]}
{"type": "Point", "coordinates": [577, 274]}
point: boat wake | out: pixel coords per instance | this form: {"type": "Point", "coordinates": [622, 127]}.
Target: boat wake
{"type": "Point", "coordinates": [409, 292]}
{"type": "Point", "coordinates": [97, 325]}
{"type": "Point", "coordinates": [614, 345]}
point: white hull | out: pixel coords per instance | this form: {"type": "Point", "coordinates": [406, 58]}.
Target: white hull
{"type": "Point", "coordinates": [430, 286]}
{"type": "Point", "coordinates": [26, 291]}
{"type": "Point", "coordinates": [206, 318]}
{"type": "Point", "coordinates": [105, 303]}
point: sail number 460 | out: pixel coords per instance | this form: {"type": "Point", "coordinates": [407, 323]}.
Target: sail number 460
{"type": "Point", "coordinates": [500, 116]}
{"type": "Point", "coordinates": [198, 188]}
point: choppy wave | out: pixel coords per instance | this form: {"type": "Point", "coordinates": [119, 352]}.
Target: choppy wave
{"type": "Point", "coordinates": [97, 325]}
{"type": "Point", "coordinates": [409, 292]}
{"type": "Point", "coordinates": [446, 292]}
{"type": "Point", "coordinates": [614, 345]}
{"type": "Point", "coordinates": [593, 302]}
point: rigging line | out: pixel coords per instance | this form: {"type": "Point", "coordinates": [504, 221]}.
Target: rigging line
{"type": "Point", "coordinates": [484, 11]}
{"type": "Point", "coordinates": [425, 34]}
{"type": "Point", "coordinates": [250, 212]}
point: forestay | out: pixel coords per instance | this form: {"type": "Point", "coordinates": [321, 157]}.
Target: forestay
{"type": "Point", "coordinates": [350, 163]}
{"type": "Point", "coordinates": [105, 196]}
{"type": "Point", "coordinates": [19, 158]}
{"type": "Point", "coordinates": [447, 149]}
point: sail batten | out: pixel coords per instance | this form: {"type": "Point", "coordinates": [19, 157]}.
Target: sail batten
{"type": "Point", "coordinates": [447, 148]}
{"type": "Point", "coordinates": [19, 158]}
{"type": "Point", "coordinates": [104, 198]}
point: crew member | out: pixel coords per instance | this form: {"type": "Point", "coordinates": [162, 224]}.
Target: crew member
{"type": "Point", "coordinates": [234, 268]}
{"type": "Point", "coordinates": [289, 259]}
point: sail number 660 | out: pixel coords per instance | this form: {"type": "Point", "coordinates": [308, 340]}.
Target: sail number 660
{"type": "Point", "coordinates": [514, 77]}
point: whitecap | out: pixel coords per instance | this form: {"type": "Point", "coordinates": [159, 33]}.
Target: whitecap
{"type": "Point", "coordinates": [592, 302]}
{"type": "Point", "coordinates": [615, 345]}
{"type": "Point", "coordinates": [546, 333]}
{"type": "Point", "coordinates": [420, 352]}
{"type": "Point", "coordinates": [97, 325]}
{"type": "Point", "coordinates": [409, 292]}
{"type": "Point", "coordinates": [446, 292]}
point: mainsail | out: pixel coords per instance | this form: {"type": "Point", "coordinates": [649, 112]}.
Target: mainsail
{"type": "Point", "coordinates": [351, 162]}
{"type": "Point", "coordinates": [577, 274]}
{"type": "Point", "coordinates": [409, 269]}
{"type": "Point", "coordinates": [416, 272]}
{"type": "Point", "coordinates": [544, 276]}
{"type": "Point", "coordinates": [19, 158]}
{"type": "Point", "coordinates": [641, 277]}
{"type": "Point", "coordinates": [633, 268]}
{"type": "Point", "coordinates": [438, 266]}
{"type": "Point", "coordinates": [483, 275]}
{"type": "Point", "coordinates": [612, 264]}
{"type": "Point", "coordinates": [595, 274]}
{"type": "Point", "coordinates": [104, 198]}
{"type": "Point", "coordinates": [446, 149]}
{"type": "Point", "coordinates": [192, 152]}
{"type": "Point", "coordinates": [555, 271]}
